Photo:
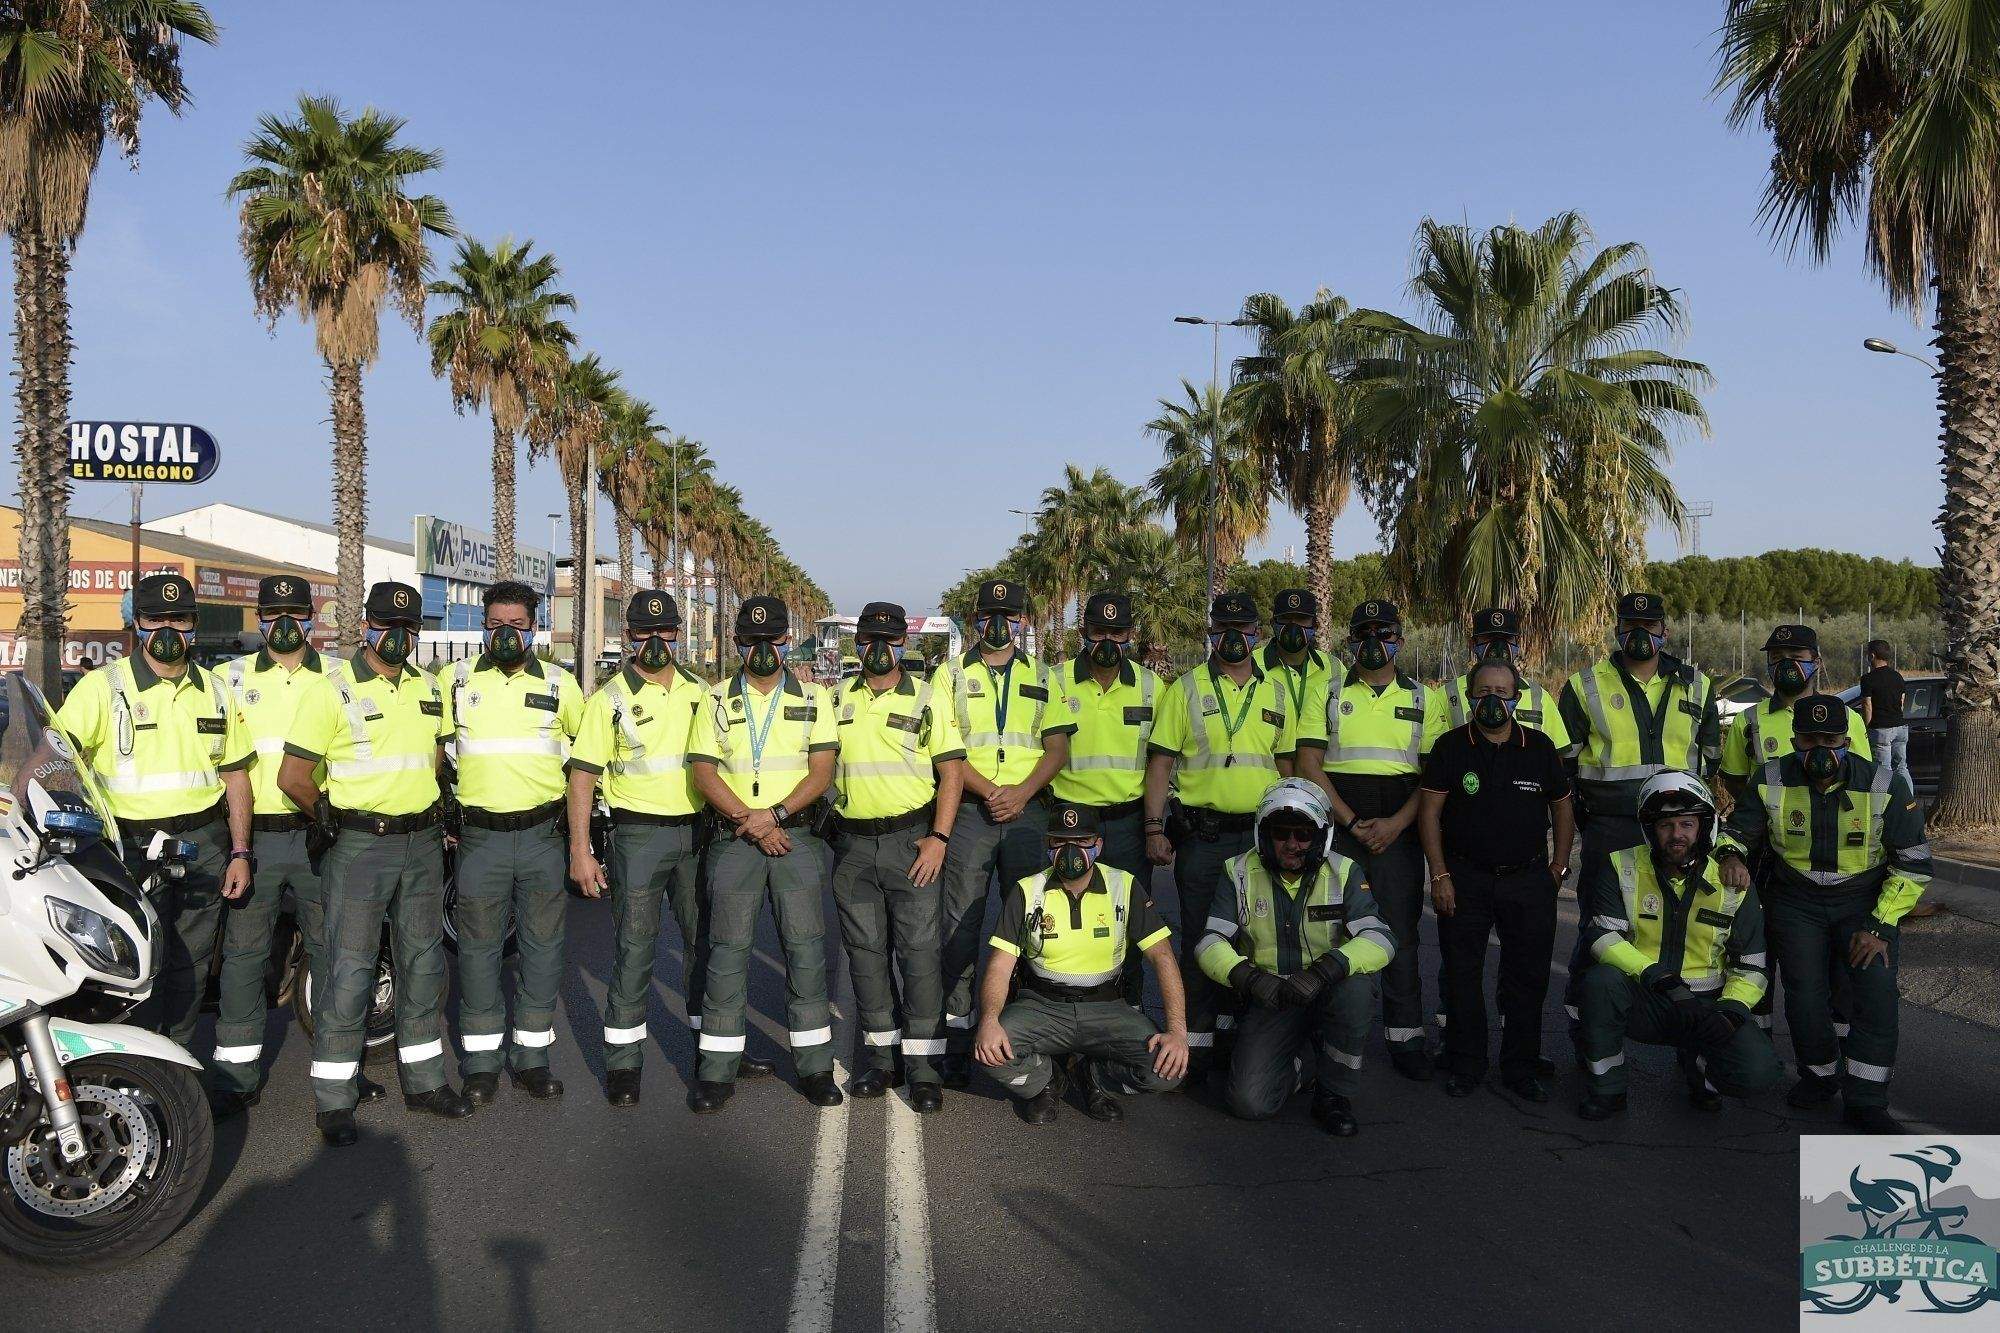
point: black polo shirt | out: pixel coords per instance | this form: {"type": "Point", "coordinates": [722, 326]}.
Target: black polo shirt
{"type": "Point", "coordinates": [1496, 797]}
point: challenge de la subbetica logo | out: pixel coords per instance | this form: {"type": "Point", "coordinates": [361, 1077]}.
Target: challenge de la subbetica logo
{"type": "Point", "coordinates": [1898, 1224]}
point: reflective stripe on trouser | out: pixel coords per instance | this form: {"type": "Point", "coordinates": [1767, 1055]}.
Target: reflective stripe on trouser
{"type": "Point", "coordinates": [1521, 909]}
{"type": "Point", "coordinates": [1125, 849]}
{"type": "Point", "coordinates": [190, 911]}
{"type": "Point", "coordinates": [739, 877]}
{"type": "Point", "coordinates": [1109, 1033]}
{"type": "Point", "coordinates": [248, 925]}
{"type": "Point", "coordinates": [648, 862]}
{"type": "Point", "coordinates": [367, 880]}
{"type": "Point", "coordinates": [1602, 835]}
{"type": "Point", "coordinates": [503, 873]}
{"type": "Point", "coordinates": [1616, 1007]}
{"type": "Point", "coordinates": [884, 917]}
{"type": "Point", "coordinates": [1396, 876]}
{"type": "Point", "coordinates": [1810, 931]}
{"type": "Point", "coordinates": [1263, 1069]}
{"type": "Point", "coordinates": [1197, 872]}
{"type": "Point", "coordinates": [977, 846]}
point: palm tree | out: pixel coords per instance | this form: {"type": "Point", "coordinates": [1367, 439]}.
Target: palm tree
{"type": "Point", "coordinates": [1181, 486]}
{"type": "Point", "coordinates": [504, 348]}
{"type": "Point", "coordinates": [1885, 114]}
{"type": "Point", "coordinates": [623, 469]}
{"type": "Point", "coordinates": [577, 422]}
{"type": "Point", "coordinates": [1163, 578]}
{"type": "Point", "coordinates": [330, 230]}
{"type": "Point", "coordinates": [72, 72]}
{"type": "Point", "coordinates": [1298, 404]}
{"type": "Point", "coordinates": [1526, 420]}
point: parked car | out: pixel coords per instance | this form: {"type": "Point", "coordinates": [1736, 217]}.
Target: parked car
{"type": "Point", "coordinates": [1923, 709]}
{"type": "Point", "coordinates": [1739, 695]}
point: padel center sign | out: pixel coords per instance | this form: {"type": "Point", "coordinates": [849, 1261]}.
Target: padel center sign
{"type": "Point", "coordinates": [149, 451]}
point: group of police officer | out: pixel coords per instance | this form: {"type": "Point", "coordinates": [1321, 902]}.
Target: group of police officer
{"type": "Point", "coordinates": [1282, 786]}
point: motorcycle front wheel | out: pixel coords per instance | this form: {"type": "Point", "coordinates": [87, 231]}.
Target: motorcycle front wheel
{"type": "Point", "coordinates": [148, 1137]}
{"type": "Point", "coordinates": [379, 1029]}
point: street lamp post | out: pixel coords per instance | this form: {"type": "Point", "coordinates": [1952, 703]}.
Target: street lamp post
{"type": "Point", "coordinates": [1887, 348]}
{"type": "Point", "coordinates": [1214, 429]}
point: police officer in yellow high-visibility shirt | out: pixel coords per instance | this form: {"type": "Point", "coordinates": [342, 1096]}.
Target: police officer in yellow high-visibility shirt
{"type": "Point", "coordinates": [1225, 734]}
{"type": "Point", "coordinates": [267, 685]}
{"type": "Point", "coordinates": [170, 747]}
{"type": "Point", "coordinates": [1377, 725]}
{"type": "Point", "coordinates": [1494, 634]}
{"type": "Point", "coordinates": [1016, 734]}
{"type": "Point", "coordinates": [379, 725]}
{"type": "Point", "coordinates": [899, 777]}
{"type": "Point", "coordinates": [1293, 654]}
{"type": "Point", "coordinates": [514, 719]}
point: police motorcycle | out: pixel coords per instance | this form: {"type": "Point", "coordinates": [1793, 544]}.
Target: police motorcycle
{"type": "Point", "coordinates": [104, 1127]}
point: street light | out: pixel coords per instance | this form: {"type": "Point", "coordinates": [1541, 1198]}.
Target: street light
{"type": "Point", "coordinates": [1887, 348]}
{"type": "Point", "coordinates": [1214, 429]}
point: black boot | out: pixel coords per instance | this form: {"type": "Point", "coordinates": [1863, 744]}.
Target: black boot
{"type": "Point", "coordinates": [755, 1066]}
{"type": "Point", "coordinates": [1335, 1115]}
{"type": "Point", "coordinates": [228, 1105]}
{"type": "Point", "coordinates": [1528, 1087]}
{"type": "Point", "coordinates": [1412, 1062]}
{"type": "Point", "coordinates": [1461, 1085]}
{"type": "Point", "coordinates": [955, 1071]}
{"type": "Point", "coordinates": [336, 1128]}
{"type": "Point", "coordinates": [480, 1089]}
{"type": "Point", "coordinates": [819, 1090]}
{"type": "Point", "coordinates": [1040, 1109]}
{"type": "Point", "coordinates": [621, 1087]}
{"type": "Point", "coordinates": [537, 1083]}
{"type": "Point", "coordinates": [926, 1098]}
{"type": "Point", "coordinates": [707, 1098]}
{"type": "Point", "coordinates": [443, 1102]}
{"type": "Point", "coordinates": [869, 1084]}
{"type": "Point", "coordinates": [367, 1090]}
{"type": "Point", "coordinates": [1871, 1120]}
{"type": "Point", "coordinates": [1813, 1090]}
{"type": "Point", "coordinates": [1602, 1105]}
{"type": "Point", "coordinates": [1098, 1104]}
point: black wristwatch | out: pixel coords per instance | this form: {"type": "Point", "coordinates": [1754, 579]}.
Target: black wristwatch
{"type": "Point", "coordinates": [944, 838]}
{"type": "Point", "coordinates": [244, 854]}
{"type": "Point", "coordinates": [779, 813]}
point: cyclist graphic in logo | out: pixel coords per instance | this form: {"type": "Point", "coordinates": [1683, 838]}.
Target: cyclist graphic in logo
{"type": "Point", "coordinates": [1905, 1237]}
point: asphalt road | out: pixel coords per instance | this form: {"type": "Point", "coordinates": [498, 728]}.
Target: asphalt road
{"type": "Point", "coordinates": [1481, 1212]}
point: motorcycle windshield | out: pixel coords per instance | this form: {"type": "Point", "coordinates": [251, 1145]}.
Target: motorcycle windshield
{"type": "Point", "coordinates": [34, 753]}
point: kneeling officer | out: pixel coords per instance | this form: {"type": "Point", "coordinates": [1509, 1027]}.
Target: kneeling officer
{"type": "Point", "coordinates": [1073, 923]}
{"type": "Point", "coordinates": [1294, 930]}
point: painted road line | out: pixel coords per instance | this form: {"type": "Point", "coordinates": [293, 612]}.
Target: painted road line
{"type": "Point", "coordinates": [819, 1237]}
{"type": "Point", "coordinates": [909, 1303]}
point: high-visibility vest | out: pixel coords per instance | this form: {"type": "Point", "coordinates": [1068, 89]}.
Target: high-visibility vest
{"type": "Point", "coordinates": [985, 743]}
{"type": "Point", "coordinates": [1703, 918]}
{"type": "Point", "coordinates": [1383, 733]}
{"type": "Point", "coordinates": [1614, 750]}
{"type": "Point", "coordinates": [1081, 956]}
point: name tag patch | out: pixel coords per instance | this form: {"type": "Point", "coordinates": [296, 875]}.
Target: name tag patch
{"type": "Point", "coordinates": [545, 702]}
{"type": "Point", "coordinates": [901, 723]}
{"type": "Point", "coordinates": [1687, 706]}
{"type": "Point", "coordinates": [1274, 717]}
{"type": "Point", "coordinates": [1039, 693]}
{"type": "Point", "coordinates": [1711, 917]}
{"type": "Point", "coordinates": [1410, 714]}
{"type": "Point", "coordinates": [430, 707]}
{"type": "Point", "coordinates": [1101, 932]}
{"type": "Point", "coordinates": [796, 713]}
{"type": "Point", "coordinates": [1323, 912]}
{"type": "Point", "coordinates": [1134, 716]}
{"type": "Point", "coordinates": [210, 726]}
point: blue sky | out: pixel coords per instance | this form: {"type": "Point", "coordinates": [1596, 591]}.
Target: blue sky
{"type": "Point", "coordinates": [896, 265]}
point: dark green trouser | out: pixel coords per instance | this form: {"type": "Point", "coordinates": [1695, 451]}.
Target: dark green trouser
{"type": "Point", "coordinates": [648, 862]}
{"type": "Point", "coordinates": [247, 927]}
{"type": "Point", "coordinates": [978, 846]}
{"type": "Point", "coordinates": [190, 910]}
{"type": "Point", "coordinates": [400, 877]}
{"type": "Point", "coordinates": [1270, 1043]}
{"type": "Point", "coordinates": [1810, 932]}
{"type": "Point", "coordinates": [1396, 875]}
{"type": "Point", "coordinates": [1111, 1034]}
{"type": "Point", "coordinates": [517, 873]}
{"type": "Point", "coordinates": [1616, 1007]}
{"type": "Point", "coordinates": [739, 878]}
{"type": "Point", "coordinates": [1197, 873]}
{"type": "Point", "coordinates": [884, 916]}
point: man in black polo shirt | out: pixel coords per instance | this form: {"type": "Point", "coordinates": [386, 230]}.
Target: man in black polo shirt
{"type": "Point", "coordinates": [1489, 795]}
{"type": "Point", "coordinates": [1882, 694]}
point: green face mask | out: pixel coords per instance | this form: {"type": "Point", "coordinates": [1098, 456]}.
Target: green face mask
{"type": "Point", "coordinates": [1823, 763]}
{"type": "Point", "coordinates": [655, 653]}
{"type": "Point", "coordinates": [1071, 862]}
{"type": "Point", "coordinates": [879, 658]}
{"type": "Point", "coordinates": [1291, 638]}
{"type": "Point", "coordinates": [1105, 653]}
{"type": "Point", "coordinates": [762, 658]}
{"type": "Point", "coordinates": [167, 645]}
{"type": "Point", "coordinates": [506, 645]}
{"type": "Point", "coordinates": [392, 645]}
{"type": "Point", "coordinates": [285, 634]}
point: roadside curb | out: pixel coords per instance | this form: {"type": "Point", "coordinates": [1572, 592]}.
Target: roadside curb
{"type": "Point", "coordinates": [1969, 873]}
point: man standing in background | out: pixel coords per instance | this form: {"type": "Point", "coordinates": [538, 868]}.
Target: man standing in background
{"type": "Point", "coordinates": [1882, 694]}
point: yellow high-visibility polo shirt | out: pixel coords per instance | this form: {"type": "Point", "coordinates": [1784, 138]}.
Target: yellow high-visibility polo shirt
{"type": "Point", "coordinates": [890, 745]}
{"type": "Point", "coordinates": [267, 695]}
{"type": "Point", "coordinates": [793, 722]}
{"type": "Point", "coordinates": [513, 732]}
{"type": "Point", "coordinates": [1107, 751]}
{"type": "Point", "coordinates": [378, 736]}
{"type": "Point", "coordinates": [1228, 737]}
{"type": "Point", "coordinates": [637, 734]}
{"type": "Point", "coordinates": [159, 746]}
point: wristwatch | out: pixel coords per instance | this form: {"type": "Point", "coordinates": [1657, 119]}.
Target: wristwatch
{"type": "Point", "coordinates": [244, 854]}
{"type": "Point", "coordinates": [944, 838]}
{"type": "Point", "coordinates": [779, 813]}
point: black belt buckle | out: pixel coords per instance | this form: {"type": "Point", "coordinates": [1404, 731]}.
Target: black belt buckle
{"type": "Point", "coordinates": [381, 826]}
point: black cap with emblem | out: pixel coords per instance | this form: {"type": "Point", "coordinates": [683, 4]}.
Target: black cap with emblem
{"type": "Point", "coordinates": [278, 594]}
{"type": "Point", "coordinates": [1820, 715]}
{"type": "Point", "coordinates": [1072, 821]}
{"type": "Point", "coordinates": [762, 618]}
{"type": "Point", "coordinates": [884, 619]}
{"type": "Point", "coordinates": [395, 604]}
{"type": "Point", "coordinates": [1232, 608]}
{"type": "Point", "coordinates": [1295, 602]}
{"type": "Point", "coordinates": [1793, 636]}
{"type": "Point", "coordinates": [1496, 620]}
{"type": "Point", "coordinates": [163, 595]}
{"type": "Point", "coordinates": [1374, 613]}
{"type": "Point", "coordinates": [1000, 595]}
{"type": "Point", "coordinates": [653, 609]}
{"type": "Point", "coordinates": [1641, 606]}
{"type": "Point", "coordinates": [1108, 610]}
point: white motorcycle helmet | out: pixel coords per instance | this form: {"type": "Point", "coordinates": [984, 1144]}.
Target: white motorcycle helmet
{"type": "Point", "coordinates": [1673, 792]}
{"type": "Point", "coordinates": [1295, 797]}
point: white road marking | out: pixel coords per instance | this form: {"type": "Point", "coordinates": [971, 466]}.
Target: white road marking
{"type": "Point", "coordinates": [819, 1237]}
{"type": "Point", "coordinates": [908, 1299]}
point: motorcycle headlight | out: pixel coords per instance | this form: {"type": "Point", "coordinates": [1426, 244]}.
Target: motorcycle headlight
{"type": "Point", "coordinates": [108, 948]}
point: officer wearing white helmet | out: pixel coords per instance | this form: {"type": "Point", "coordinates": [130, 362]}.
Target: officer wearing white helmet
{"type": "Point", "coordinates": [1678, 956]}
{"type": "Point", "coordinates": [1294, 929]}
